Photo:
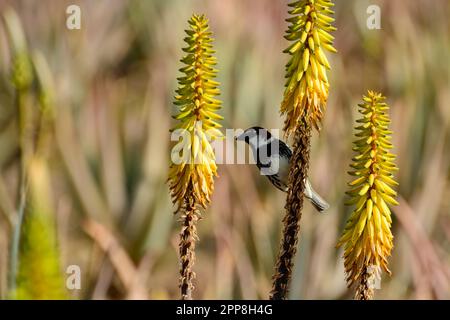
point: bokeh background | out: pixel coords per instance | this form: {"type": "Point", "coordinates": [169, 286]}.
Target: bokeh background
{"type": "Point", "coordinates": [114, 82]}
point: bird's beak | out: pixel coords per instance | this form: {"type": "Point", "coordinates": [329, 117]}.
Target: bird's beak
{"type": "Point", "coordinates": [240, 137]}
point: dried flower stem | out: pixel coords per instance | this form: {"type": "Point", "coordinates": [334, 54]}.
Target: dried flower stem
{"type": "Point", "coordinates": [188, 238]}
{"type": "Point", "coordinates": [365, 290]}
{"type": "Point", "coordinates": [291, 221]}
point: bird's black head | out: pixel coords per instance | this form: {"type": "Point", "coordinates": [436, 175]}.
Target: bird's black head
{"type": "Point", "coordinates": [254, 133]}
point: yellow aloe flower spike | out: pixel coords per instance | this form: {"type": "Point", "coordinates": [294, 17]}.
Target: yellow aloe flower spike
{"type": "Point", "coordinates": [191, 177]}
{"type": "Point", "coordinates": [196, 99]}
{"type": "Point", "coordinates": [367, 238]}
{"type": "Point", "coordinates": [306, 88]}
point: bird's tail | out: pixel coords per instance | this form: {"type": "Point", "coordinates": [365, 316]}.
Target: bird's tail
{"type": "Point", "coordinates": [317, 201]}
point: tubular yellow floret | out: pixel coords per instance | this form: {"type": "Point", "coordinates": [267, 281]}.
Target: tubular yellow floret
{"type": "Point", "coordinates": [367, 238]}
{"type": "Point", "coordinates": [306, 88]}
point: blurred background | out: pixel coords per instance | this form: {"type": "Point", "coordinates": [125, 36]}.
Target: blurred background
{"type": "Point", "coordinates": [108, 154]}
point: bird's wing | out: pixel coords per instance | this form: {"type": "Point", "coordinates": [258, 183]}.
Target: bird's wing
{"type": "Point", "coordinates": [284, 150]}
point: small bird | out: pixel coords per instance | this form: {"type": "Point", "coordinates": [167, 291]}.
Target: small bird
{"type": "Point", "coordinates": [272, 159]}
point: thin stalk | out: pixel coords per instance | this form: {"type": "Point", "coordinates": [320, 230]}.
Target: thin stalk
{"type": "Point", "coordinates": [21, 194]}
{"type": "Point", "coordinates": [364, 290]}
{"type": "Point", "coordinates": [15, 243]}
{"type": "Point", "coordinates": [291, 221]}
{"type": "Point", "coordinates": [188, 238]}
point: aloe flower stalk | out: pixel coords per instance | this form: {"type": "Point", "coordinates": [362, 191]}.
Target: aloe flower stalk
{"type": "Point", "coordinates": [304, 101]}
{"type": "Point", "coordinates": [367, 237]}
{"type": "Point", "coordinates": [306, 88]}
{"type": "Point", "coordinates": [291, 220]}
{"type": "Point", "coordinates": [191, 180]}
{"type": "Point", "coordinates": [39, 275]}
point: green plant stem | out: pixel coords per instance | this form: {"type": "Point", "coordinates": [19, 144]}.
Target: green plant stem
{"type": "Point", "coordinates": [22, 191]}
{"type": "Point", "coordinates": [15, 243]}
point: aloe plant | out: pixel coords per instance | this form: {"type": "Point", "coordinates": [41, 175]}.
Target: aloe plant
{"type": "Point", "coordinates": [367, 238]}
{"type": "Point", "coordinates": [192, 180]}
